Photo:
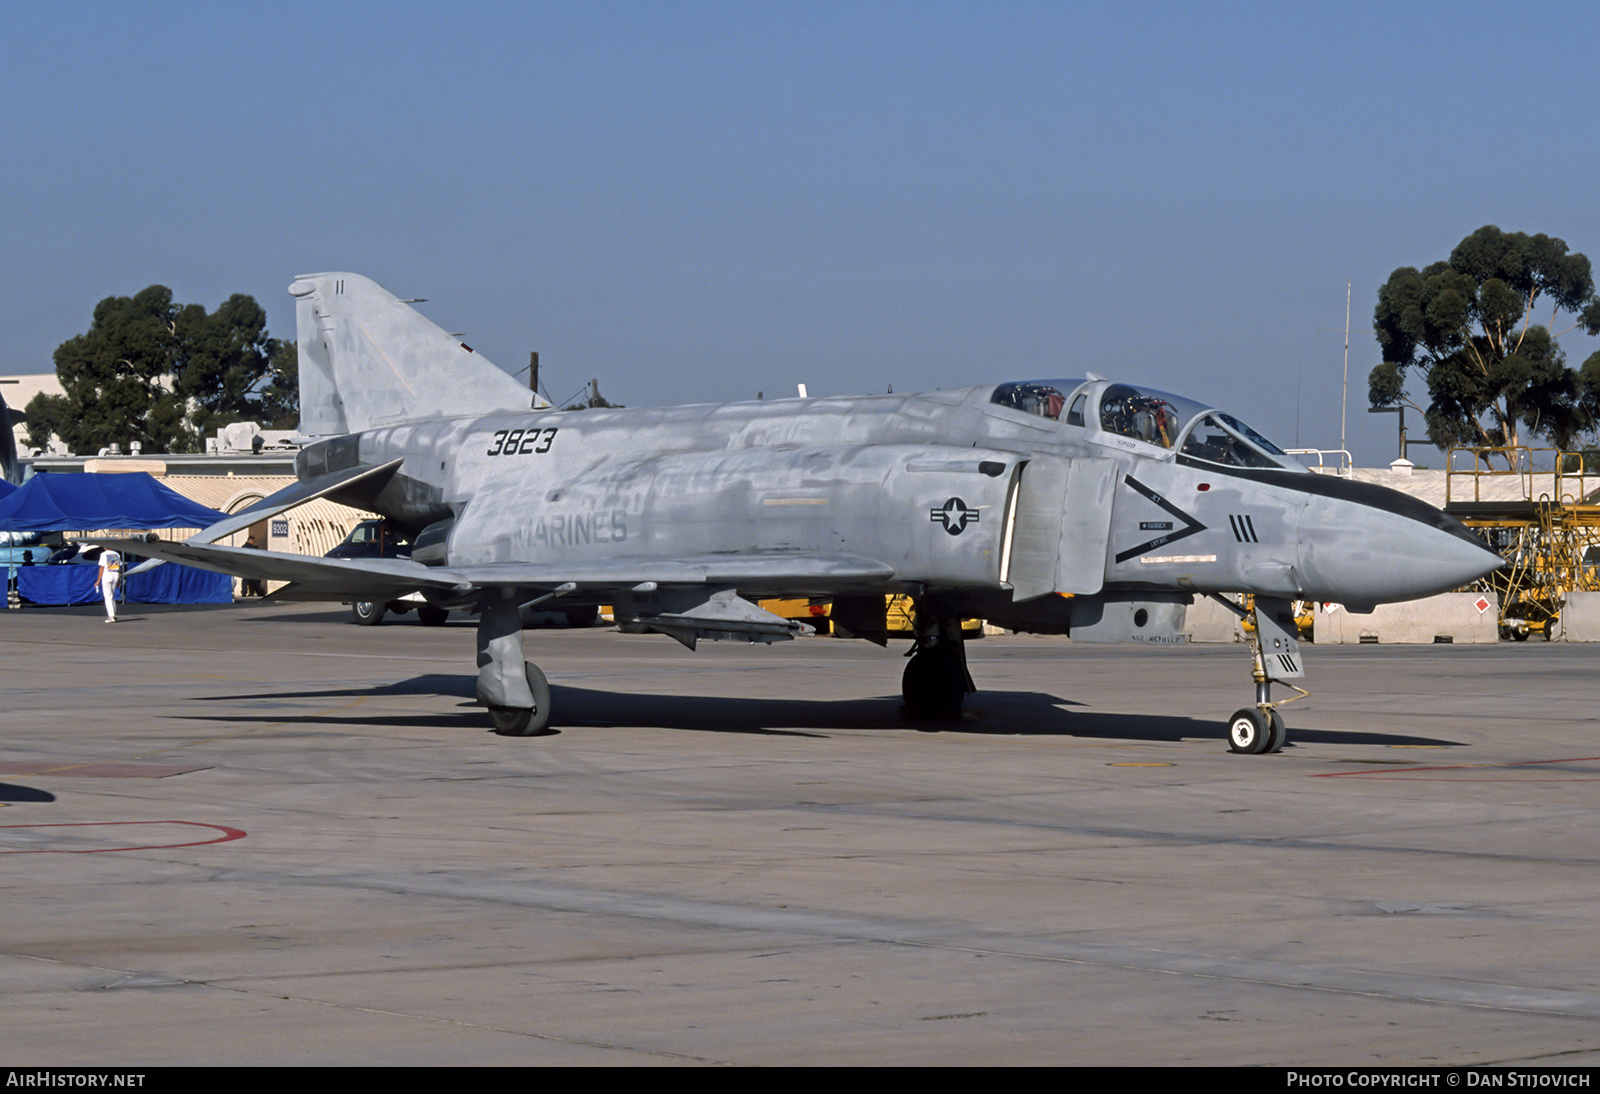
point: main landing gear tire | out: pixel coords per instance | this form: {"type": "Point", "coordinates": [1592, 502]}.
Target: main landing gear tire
{"type": "Point", "coordinates": [519, 722]}
{"type": "Point", "coordinates": [431, 616]}
{"type": "Point", "coordinates": [1251, 731]}
{"type": "Point", "coordinates": [367, 612]}
{"type": "Point", "coordinates": [934, 683]}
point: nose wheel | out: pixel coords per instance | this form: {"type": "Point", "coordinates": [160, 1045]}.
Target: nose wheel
{"type": "Point", "coordinates": [1254, 731]}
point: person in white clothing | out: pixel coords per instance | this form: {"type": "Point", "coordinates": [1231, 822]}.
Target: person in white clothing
{"type": "Point", "coordinates": [110, 576]}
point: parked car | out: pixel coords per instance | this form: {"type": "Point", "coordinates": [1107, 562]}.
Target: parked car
{"type": "Point", "coordinates": [378, 539]}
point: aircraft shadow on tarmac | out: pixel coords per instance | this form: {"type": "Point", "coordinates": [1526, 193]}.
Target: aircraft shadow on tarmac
{"type": "Point", "coordinates": [9, 792]}
{"type": "Point", "coordinates": [993, 713]}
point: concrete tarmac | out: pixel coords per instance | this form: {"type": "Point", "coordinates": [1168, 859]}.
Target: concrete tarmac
{"type": "Point", "coordinates": [262, 835]}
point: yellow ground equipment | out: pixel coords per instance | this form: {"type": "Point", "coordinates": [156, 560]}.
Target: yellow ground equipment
{"type": "Point", "coordinates": [1544, 523]}
{"type": "Point", "coordinates": [813, 615]}
{"type": "Point", "coordinates": [897, 615]}
{"type": "Point", "coordinates": [1305, 618]}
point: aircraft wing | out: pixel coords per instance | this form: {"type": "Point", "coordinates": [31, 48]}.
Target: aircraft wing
{"type": "Point", "coordinates": [778, 570]}
{"type": "Point", "coordinates": [317, 578]}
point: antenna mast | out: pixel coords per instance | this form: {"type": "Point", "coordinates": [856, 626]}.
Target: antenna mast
{"type": "Point", "coordinates": [1344, 394]}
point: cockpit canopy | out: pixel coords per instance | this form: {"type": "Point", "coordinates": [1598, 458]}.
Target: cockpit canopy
{"type": "Point", "coordinates": [1221, 438]}
{"type": "Point", "coordinates": [1046, 398]}
{"type": "Point", "coordinates": [1150, 416]}
{"type": "Point", "coordinates": [1156, 418]}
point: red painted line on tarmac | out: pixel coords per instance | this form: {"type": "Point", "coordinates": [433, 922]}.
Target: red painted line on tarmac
{"type": "Point", "coordinates": [228, 835]}
{"type": "Point", "coordinates": [1467, 767]}
{"type": "Point", "coordinates": [97, 770]}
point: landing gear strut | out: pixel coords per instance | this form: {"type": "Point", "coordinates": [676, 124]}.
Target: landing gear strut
{"type": "Point", "coordinates": [936, 679]}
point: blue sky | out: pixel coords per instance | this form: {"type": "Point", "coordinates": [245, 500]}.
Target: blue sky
{"type": "Point", "coordinates": [700, 201]}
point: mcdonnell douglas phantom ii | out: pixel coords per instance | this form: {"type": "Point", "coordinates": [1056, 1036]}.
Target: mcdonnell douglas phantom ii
{"type": "Point", "coordinates": [1083, 507]}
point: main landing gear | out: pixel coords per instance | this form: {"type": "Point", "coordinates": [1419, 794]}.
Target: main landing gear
{"type": "Point", "coordinates": [515, 691]}
{"type": "Point", "coordinates": [1276, 654]}
{"type": "Point", "coordinates": [523, 721]}
{"type": "Point", "coordinates": [936, 679]}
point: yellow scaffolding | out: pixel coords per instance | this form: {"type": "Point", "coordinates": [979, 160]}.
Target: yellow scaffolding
{"type": "Point", "coordinates": [1545, 524]}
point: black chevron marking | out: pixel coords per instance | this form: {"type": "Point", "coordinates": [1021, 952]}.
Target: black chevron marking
{"type": "Point", "coordinates": [1190, 525]}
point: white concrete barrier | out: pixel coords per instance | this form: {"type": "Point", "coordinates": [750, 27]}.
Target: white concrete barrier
{"type": "Point", "coordinates": [1452, 617]}
{"type": "Point", "coordinates": [1208, 621]}
{"type": "Point", "coordinates": [1580, 618]}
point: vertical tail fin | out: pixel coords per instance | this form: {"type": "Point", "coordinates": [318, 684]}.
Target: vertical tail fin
{"type": "Point", "coordinates": [369, 359]}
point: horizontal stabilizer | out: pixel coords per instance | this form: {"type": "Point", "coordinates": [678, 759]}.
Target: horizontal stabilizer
{"type": "Point", "coordinates": [333, 578]}
{"type": "Point", "coordinates": [297, 494]}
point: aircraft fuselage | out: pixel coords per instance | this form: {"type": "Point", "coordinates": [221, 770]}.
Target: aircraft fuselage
{"type": "Point", "coordinates": [935, 486]}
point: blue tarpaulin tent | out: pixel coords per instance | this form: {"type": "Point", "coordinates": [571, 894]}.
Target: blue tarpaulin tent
{"type": "Point", "coordinates": [167, 584]}
{"type": "Point", "coordinates": [85, 502]}
{"type": "Point", "coordinates": [80, 502]}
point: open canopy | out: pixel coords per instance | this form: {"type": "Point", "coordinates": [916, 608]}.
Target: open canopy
{"type": "Point", "coordinates": [52, 503]}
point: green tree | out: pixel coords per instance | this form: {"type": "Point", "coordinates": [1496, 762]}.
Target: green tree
{"type": "Point", "coordinates": [117, 379]}
{"type": "Point", "coordinates": [1467, 326]}
{"type": "Point", "coordinates": [166, 375]}
{"type": "Point", "coordinates": [229, 369]}
{"type": "Point", "coordinates": [280, 396]}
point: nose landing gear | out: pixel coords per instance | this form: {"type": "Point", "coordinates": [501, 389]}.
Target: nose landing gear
{"type": "Point", "coordinates": [1276, 655]}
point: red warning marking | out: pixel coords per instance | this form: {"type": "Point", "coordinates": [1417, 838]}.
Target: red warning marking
{"type": "Point", "coordinates": [1393, 772]}
{"type": "Point", "coordinates": [97, 770]}
{"type": "Point", "coordinates": [228, 834]}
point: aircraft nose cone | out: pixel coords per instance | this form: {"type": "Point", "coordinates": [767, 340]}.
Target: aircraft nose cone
{"type": "Point", "coordinates": [1374, 545]}
{"type": "Point", "coordinates": [1448, 561]}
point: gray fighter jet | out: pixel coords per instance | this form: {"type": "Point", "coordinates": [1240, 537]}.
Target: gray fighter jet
{"type": "Point", "coordinates": [1082, 507]}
